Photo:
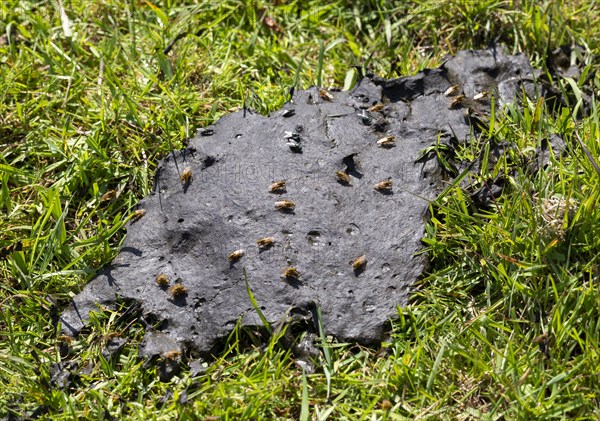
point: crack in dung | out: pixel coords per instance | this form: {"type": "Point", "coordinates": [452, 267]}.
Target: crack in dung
{"type": "Point", "coordinates": [214, 297]}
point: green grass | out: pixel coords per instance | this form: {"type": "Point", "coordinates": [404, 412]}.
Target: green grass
{"type": "Point", "coordinates": [505, 324]}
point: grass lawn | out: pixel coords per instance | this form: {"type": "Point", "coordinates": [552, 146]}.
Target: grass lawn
{"type": "Point", "coordinates": [506, 323]}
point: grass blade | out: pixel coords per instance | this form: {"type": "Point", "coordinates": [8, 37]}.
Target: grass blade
{"type": "Point", "coordinates": [324, 344]}
{"type": "Point", "coordinates": [350, 80]}
{"type": "Point", "coordinates": [264, 320]}
{"type": "Point", "coordinates": [436, 366]}
{"type": "Point", "coordinates": [320, 63]}
{"type": "Point", "coordinates": [328, 368]}
{"type": "Point", "coordinates": [588, 154]}
{"type": "Point", "coordinates": [304, 410]}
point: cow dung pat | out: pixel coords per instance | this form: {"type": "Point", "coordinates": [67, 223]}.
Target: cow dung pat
{"type": "Point", "coordinates": [318, 225]}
